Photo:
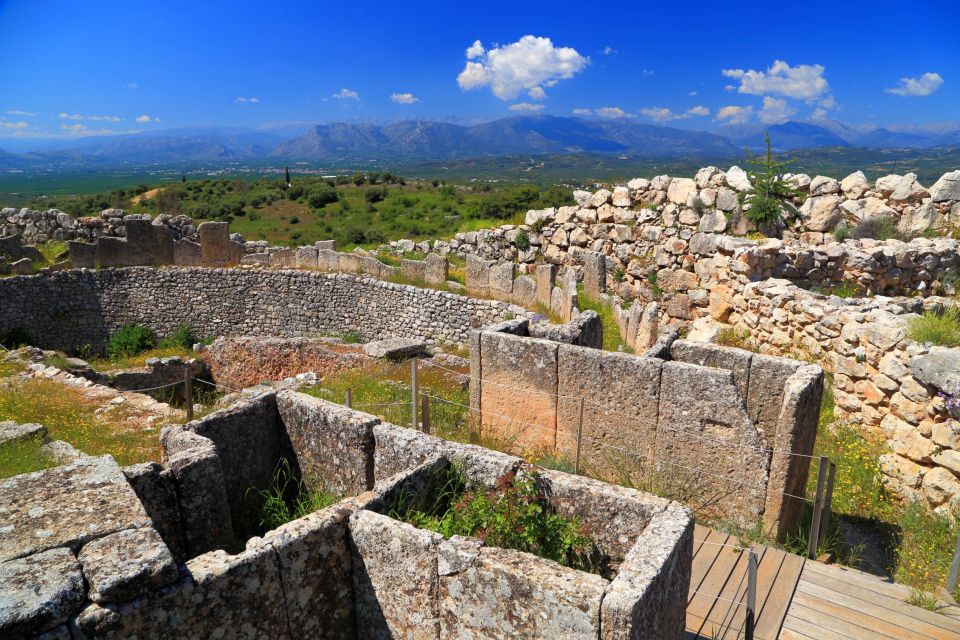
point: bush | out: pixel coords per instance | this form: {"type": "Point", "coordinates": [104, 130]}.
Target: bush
{"type": "Point", "coordinates": [522, 240]}
{"type": "Point", "coordinates": [841, 233]}
{"type": "Point", "coordinates": [939, 326]}
{"type": "Point", "coordinates": [131, 340]}
{"type": "Point", "coordinates": [875, 228]}
{"type": "Point", "coordinates": [770, 191]}
{"type": "Point", "coordinates": [182, 336]}
{"type": "Point", "coordinates": [321, 195]}
{"type": "Point", "coordinates": [375, 194]}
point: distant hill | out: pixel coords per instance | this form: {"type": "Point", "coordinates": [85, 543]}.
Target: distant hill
{"type": "Point", "coordinates": [785, 136]}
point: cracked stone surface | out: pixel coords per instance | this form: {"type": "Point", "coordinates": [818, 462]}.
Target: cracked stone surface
{"type": "Point", "coordinates": [66, 506]}
{"type": "Point", "coordinates": [38, 592]}
{"type": "Point", "coordinates": [124, 565]}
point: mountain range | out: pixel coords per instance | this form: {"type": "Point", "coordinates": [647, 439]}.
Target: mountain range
{"type": "Point", "coordinates": [429, 140]}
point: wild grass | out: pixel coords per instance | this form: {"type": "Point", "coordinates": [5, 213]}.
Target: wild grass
{"type": "Point", "coordinates": [846, 289]}
{"type": "Point", "coordinates": [939, 326]}
{"type": "Point", "coordinates": [52, 251]}
{"type": "Point", "coordinates": [74, 418]}
{"type": "Point", "coordinates": [22, 456]}
{"type": "Point", "coordinates": [925, 600]}
{"type": "Point", "coordinates": [137, 360]}
{"type": "Point", "coordinates": [288, 498]}
{"type": "Point", "coordinates": [612, 340]}
{"type": "Point", "coordinates": [731, 337]}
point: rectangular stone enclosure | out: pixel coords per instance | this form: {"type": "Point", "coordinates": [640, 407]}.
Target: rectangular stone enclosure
{"type": "Point", "coordinates": [729, 430]}
{"type": "Point", "coordinates": [201, 565]}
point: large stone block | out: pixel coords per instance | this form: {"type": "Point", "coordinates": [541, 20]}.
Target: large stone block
{"type": "Point", "coordinates": [328, 260]}
{"type": "Point", "coordinates": [283, 259]}
{"type": "Point", "coordinates": [620, 408]}
{"type": "Point", "coordinates": [478, 275]}
{"type": "Point", "coordinates": [415, 270]}
{"type": "Point", "coordinates": [187, 253]}
{"type": "Point", "coordinates": [518, 390]}
{"type": "Point", "coordinates": [39, 592]}
{"type": "Point", "coordinates": [546, 276]}
{"type": "Point", "coordinates": [711, 355]}
{"type": "Point", "coordinates": [524, 292]}
{"type": "Point", "coordinates": [127, 564]}
{"type": "Point", "coordinates": [333, 445]}
{"type": "Point", "coordinates": [768, 377]}
{"type": "Point", "coordinates": [306, 258]}
{"type": "Point", "coordinates": [66, 506]}
{"type": "Point", "coordinates": [83, 255]}
{"type": "Point", "coordinates": [395, 578]}
{"type": "Point", "coordinates": [437, 269]}
{"type": "Point", "coordinates": [201, 491]}
{"type": "Point", "coordinates": [161, 251]}
{"type": "Point", "coordinates": [215, 250]}
{"type": "Point", "coordinates": [116, 252]}
{"type": "Point", "coordinates": [594, 274]}
{"type": "Point", "coordinates": [509, 594]}
{"type": "Point", "coordinates": [501, 280]}
{"type": "Point", "coordinates": [157, 490]}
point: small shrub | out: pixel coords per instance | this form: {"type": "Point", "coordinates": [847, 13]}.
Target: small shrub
{"type": "Point", "coordinates": [131, 340]}
{"type": "Point", "coordinates": [182, 336]}
{"type": "Point", "coordinates": [655, 289]}
{"type": "Point", "coordinates": [841, 233]}
{"type": "Point", "coordinates": [846, 289]}
{"type": "Point", "coordinates": [619, 274]}
{"type": "Point", "coordinates": [730, 337]}
{"type": "Point", "coordinates": [522, 240]}
{"type": "Point", "coordinates": [876, 229]}
{"type": "Point", "coordinates": [698, 205]}
{"type": "Point", "coordinates": [538, 225]}
{"type": "Point", "coordinates": [939, 326]}
{"type": "Point", "coordinates": [288, 499]}
{"type": "Point", "coordinates": [352, 337]}
{"type": "Point", "coordinates": [294, 220]}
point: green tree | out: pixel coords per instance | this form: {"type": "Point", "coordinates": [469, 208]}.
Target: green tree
{"type": "Point", "coordinates": [771, 193]}
{"type": "Point", "coordinates": [358, 178]}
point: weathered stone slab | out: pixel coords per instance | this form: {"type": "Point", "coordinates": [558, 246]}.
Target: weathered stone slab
{"type": "Point", "coordinates": [315, 570]}
{"type": "Point", "coordinates": [501, 280]}
{"type": "Point", "coordinates": [127, 564]}
{"type": "Point", "coordinates": [585, 330]}
{"type": "Point", "coordinates": [717, 356]}
{"type": "Point", "coordinates": [546, 276]}
{"type": "Point", "coordinates": [395, 348]}
{"type": "Point", "coordinates": [218, 595]}
{"type": "Point", "coordinates": [333, 445]}
{"type": "Point", "coordinates": [12, 432]}
{"type": "Point", "coordinates": [66, 507]}
{"type": "Point", "coordinates": [204, 506]}
{"type": "Point", "coordinates": [187, 253]}
{"type": "Point", "coordinates": [627, 384]}
{"type": "Point", "coordinates": [326, 245]}
{"type": "Point", "coordinates": [83, 255]}
{"type": "Point", "coordinates": [768, 375]}
{"type": "Point", "coordinates": [478, 275]}
{"type": "Point", "coordinates": [594, 274]}
{"type": "Point", "coordinates": [648, 597]}
{"type": "Point", "coordinates": [509, 594]}
{"type": "Point", "coordinates": [437, 269]}
{"type": "Point", "coordinates": [39, 592]}
{"type": "Point", "coordinates": [215, 248]}
{"type": "Point", "coordinates": [939, 368]}
{"type": "Point", "coordinates": [282, 259]}
{"type": "Point", "coordinates": [415, 270]}
{"type": "Point", "coordinates": [161, 245]}
{"type": "Point", "coordinates": [518, 389]}
{"type": "Point", "coordinates": [157, 490]}
{"type": "Point", "coordinates": [524, 292]}
{"type": "Point", "coordinates": [306, 258]}
{"type": "Point", "coordinates": [395, 578]}
{"type": "Point", "coordinates": [328, 260]}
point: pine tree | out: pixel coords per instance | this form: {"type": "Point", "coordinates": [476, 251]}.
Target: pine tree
{"type": "Point", "coordinates": [770, 190]}
{"type": "Point", "coordinates": [286, 174]}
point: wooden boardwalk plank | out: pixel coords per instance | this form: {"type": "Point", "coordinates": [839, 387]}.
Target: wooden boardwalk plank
{"type": "Point", "coordinates": [706, 558]}
{"type": "Point", "coordinates": [810, 630]}
{"type": "Point", "coordinates": [777, 602]}
{"type": "Point", "coordinates": [705, 595]}
{"type": "Point", "coordinates": [839, 619]}
{"type": "Point", "coordinates": [868, 614]}
{"type": "Point", "coordinates": [840, 581]}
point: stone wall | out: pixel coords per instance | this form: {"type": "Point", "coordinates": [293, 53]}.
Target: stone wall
{"type": "Point", "coordinates": [44, 226]}
{"type": "Point", "coordinates": [347, 571]}
{"type": "Point", "coordinates": [66, 310]}
{"type": "Point", "coordinates": [741, 425]}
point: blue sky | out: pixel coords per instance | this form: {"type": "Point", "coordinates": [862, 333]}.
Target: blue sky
{"type": "Point", "coordinates": [79, 68]}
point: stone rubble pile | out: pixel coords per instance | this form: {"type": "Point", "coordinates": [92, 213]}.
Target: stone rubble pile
{"type": "Point", "coordinates": [43, 226]}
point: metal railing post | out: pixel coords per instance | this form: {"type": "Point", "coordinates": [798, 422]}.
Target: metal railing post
{"type": "Point", "coordinates": [827, 502]}
{"type": "Point", "coordinates": [751, 612]}
{"type": "Point", "coordinates": [413, 393]}
{"type": "Point", "coordinates": [188, 391]}
{"type": "Point", "coordinates": [817, 508]}
{"type": "Point", "coordinates": [349, 399]}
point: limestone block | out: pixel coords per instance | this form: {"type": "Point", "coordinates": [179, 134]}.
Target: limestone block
{"type": "Point", "coordinates": [940, 368]}
{"type": "Point", "coordinates": [939, 485]}
{"type": "Point", "coordinates": [396, 348]}
{"type": "Point", "coordinates": [501, 280]}
{"type": "Point", "coordinates": [187, 253]}
{"type": "Point", "coordinates": [82, 255]}
{"type": "Point", "coordinates": [854, 185]}
{"type": "Point", "coordinates": [768, 378]}
{"type": "Point", "coordinates": [161, 246]}
{"type": "Point", "coordinates": [66, 506]}
{"type": "Point", "coordinates": [524, 291]}
{"type": "Point", "coordinates": [594, 274]}
{"type": "Point", "coordinates": [478, 275]}
{"type": "Point", "coordinates": [315, 567]}
{"type": "Point", "coordinates": [509, 594]}
{"type": "Point", "coordinates": [437, 269]}
{"type": "Point", "coordinates": [39, 592]}
{"type": "Point", "coordinates": [328, 260]}
{"type": "Point", "coordinates": [904, 471]}
{"type": "Point", "coordinates": [349, 263]}
{"type": "Point", "coordinates": [415, 270]}
{"type": "Point", "coordinates": [215, 250]}
{"type": "Point", "coordinates": [201, 491]}
{"type": "Point", "coordinates": [600, 197]}
{"type": "Point", "coordinates": [127, 564]}
{"type": "Point", "coordinates": [325, 245]}
{"type": "Point", "coordinates": [157, 490]}
{"type": "Point", "coordinates": [333, 445]}
{"type": "Point", "coordinates": [606, 379]}
{"type": "Point", "coordinates": [395, 577]}
{"type": "Point", "coordinates": [282, 259]}
{"type": "Point", "coordinates": [546, 275]}
{"type": "Point", "coordinates": [306, 258]}
{"type": "Point", "coordinates": [681, 190]}
{"type": "Point", "coordinates": [13, 432]}
{"type": "Point", "coordinates": [621, 197]}
{"type": "Point", "coordinates": [949, 459]}
{"type": "Point", "coordinates": [256, 259]}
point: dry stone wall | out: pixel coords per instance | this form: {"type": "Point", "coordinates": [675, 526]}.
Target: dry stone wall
{"type": "Point", "coordinates": [44, 226]}
{"type": "Point", "coordinates": [69, 309]}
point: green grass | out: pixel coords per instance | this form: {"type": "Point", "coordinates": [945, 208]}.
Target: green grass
{"type": "Point", "coordinates": [612, 341]}
{"type": "Point", "coordinates": [22, 456]}
{"type": "Point", "coordinates": [939, 326]}
{"type": "Point", "coordinates": [730, 337]}
{"type": "Point", "coordinates": [846, 289]}
{"type": "Point", "coordinates": [288, 498]}
{"type": "Point", "coordinates": [106, 363]}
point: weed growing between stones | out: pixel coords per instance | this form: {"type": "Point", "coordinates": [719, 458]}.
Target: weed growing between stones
{"type": "Point", "coordinates": [940, 326]}
{"type": "Point", "coordinates": [288, 499]}
{"type": "Point", "coordinates": [844, 290]}
{"type": "Point", "coordinates": [730, 337]}
{"type": "Point", "coordinates": [612, 340]}
{"type": "Point", "coordinates": [513, 514]}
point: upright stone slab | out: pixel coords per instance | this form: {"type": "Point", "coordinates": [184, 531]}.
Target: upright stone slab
{"type": "Point", "coordinates": [140, 242]}
{"type": "Point", "coordinates": [162, 246]}
{"type": "Point", "coordinates": [501, 280]}
{"type": "Point", "coordinates": [83, 255]}
{"type": "Point", "coordinates": [126, 565]}
{"type": "Point", "coordinates": [325, 245]}
{"type": "Point", "coordinates": [594, 274]}
{"type": "Point", "coordinates": [478, 275]}
{"type": "Point", "coordinates": [546, 275]}
{"type": "Point", "coordinates": [524, 292]}
{"type": "Point", "coordinates": [186, 253]}
{"type": "Point", "coordinates": [328, 260]}
{"type": "Point", "coordinates": [415, 270]}
{"type": "Point", "coordinates": [282, 259]}
{"type": "Point", "coordinates": [437, 269]}
{"type": "Point", "coordinates": [115, 252]}
{"type": "Point", "coordinates": [215, 248]}
{"type": "Point", "coordinates": [157, 490]}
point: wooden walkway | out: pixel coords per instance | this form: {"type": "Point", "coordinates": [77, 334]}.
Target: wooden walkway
{"type": "Point", "coordinates": [800, 600]}
{"type": "Point", "coordinates": [718, 587]}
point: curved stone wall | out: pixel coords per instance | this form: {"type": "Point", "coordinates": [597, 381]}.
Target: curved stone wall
{"type": "Point", "coordinates": [69, 309]}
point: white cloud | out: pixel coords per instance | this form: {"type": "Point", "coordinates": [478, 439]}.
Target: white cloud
{"type": "Point", "coordinates": [131, 85]}
{"type": "Point", "coordinates": [920, 86]}
{"type": "Point", "coordinates": [734, 114]}
{"type": "Point", "coordinates": [404, 98]}
{"type": "Point", "coordinates": [729, 87]}
{"type": "Point", "coordinates": [646, 72]}
{"type": "Point", "coordinates": [775, 111]}
{"type": "Point", "coordinates": [537, 93]}
{"type": "Point", "coordinates": [693, 93]}
{"type": "Point", "coordinates": [74, 128]}
{"type": "Point", "coordinates": [803, 82]}
{"type": "Point", "coordinates": [583, 112]}
{"type": "Point", "coordinates": [525, 107]}
{"type": "Point", "coordinates": [239, 99]}
{"type": "Point", "coordinates": [17, 112]}
{"type": "Point", "coordinates": [663, 114]}
{"type": "Point", "coordinates": [526, 65]}
{"type": "Point", "coordinates": [609, 51]}
{"type": "Point", "coordinates": [612, 112]}
{"type": "Point", "coordinates": [146, 118]}
{"type": "Point", "coordinates": [346, 94]}
{"type": "Point", "coordinates": [475, 50]}
{"type": "Point", "coordinates": [77, 116]}
{"type": "Point", "coordinates": [818, 114]}
{"type": "Point", "coordinates": [14, 125]}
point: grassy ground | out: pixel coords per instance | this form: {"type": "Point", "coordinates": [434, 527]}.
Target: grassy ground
{"type": "Point", "coordinates": [612, 341]}
{"type": "Point", "coordinates": [104, 363]}
{"type": "Point", "coordinates": [74, 418]}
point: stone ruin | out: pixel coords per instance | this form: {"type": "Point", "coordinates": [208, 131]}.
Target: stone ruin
{"type": "Point", "coordinates": [175, 550]}
{"type": "Point", "coordinates": [742, 424]}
